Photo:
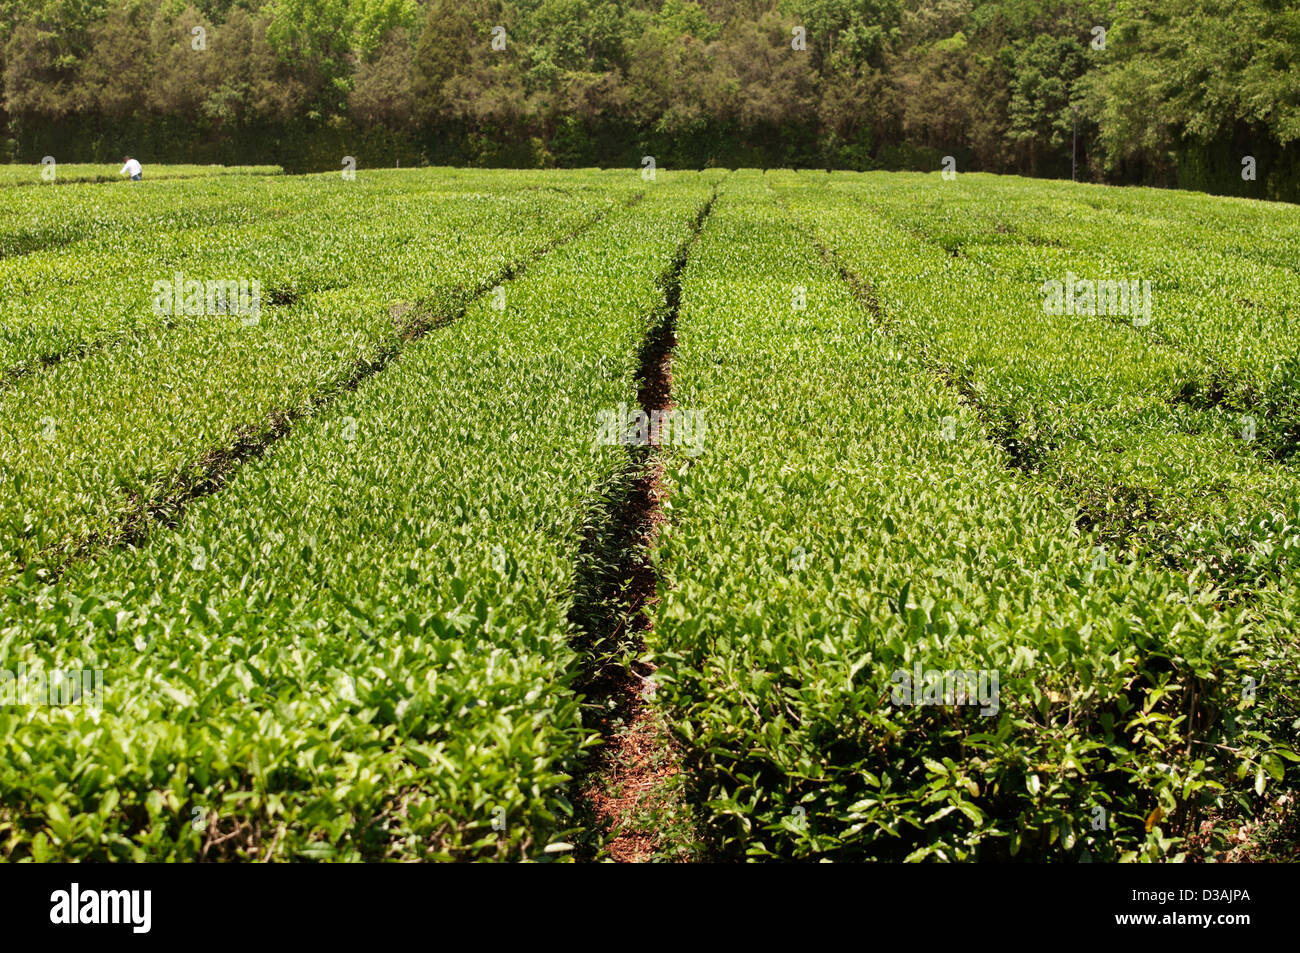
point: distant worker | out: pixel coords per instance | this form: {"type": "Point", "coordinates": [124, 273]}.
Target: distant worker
{"type": "Point", "coordinates": [132, 168]}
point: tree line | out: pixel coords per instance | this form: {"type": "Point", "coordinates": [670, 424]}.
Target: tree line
{"type": "Point", "coordinates": [1173, 92]}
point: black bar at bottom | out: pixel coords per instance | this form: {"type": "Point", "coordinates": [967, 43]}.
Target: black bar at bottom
{"type": "Point", "coordinates": [338, 903]}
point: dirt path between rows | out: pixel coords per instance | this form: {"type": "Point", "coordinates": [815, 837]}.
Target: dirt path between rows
{"type": "Point", "coordinates": [630, 795]}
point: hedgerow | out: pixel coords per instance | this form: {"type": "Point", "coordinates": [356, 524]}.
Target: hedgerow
{"type": "Point", "coordinates": [851, 520]}
{"type": "Point", "coordinates": [360, 647]}
{"type": "Point", "coordinates": [347, 570]}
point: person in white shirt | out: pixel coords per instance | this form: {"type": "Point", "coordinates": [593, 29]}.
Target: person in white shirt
{"type": "Point", "coordinates": [133, 169]}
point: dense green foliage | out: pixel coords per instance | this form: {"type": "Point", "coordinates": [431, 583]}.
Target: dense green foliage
{"type": "Point", "coordinates": [1125, 415]}
{"type": "Point", "coordinates": [347, 570]}
{"type": "Point", "coordinates": [873, 542]}
{"type": "Point", "coordinates": [360, 647]}
{"type": "Point", "coordinates": [80, 172]}
{"type": "Point", "coordinates": [1177, 91]}
{"type": "Point", "coordinates": [334, 302]}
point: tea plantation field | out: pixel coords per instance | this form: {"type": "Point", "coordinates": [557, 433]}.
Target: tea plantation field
{"type": "Point", "coordinates": [892, 517]}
